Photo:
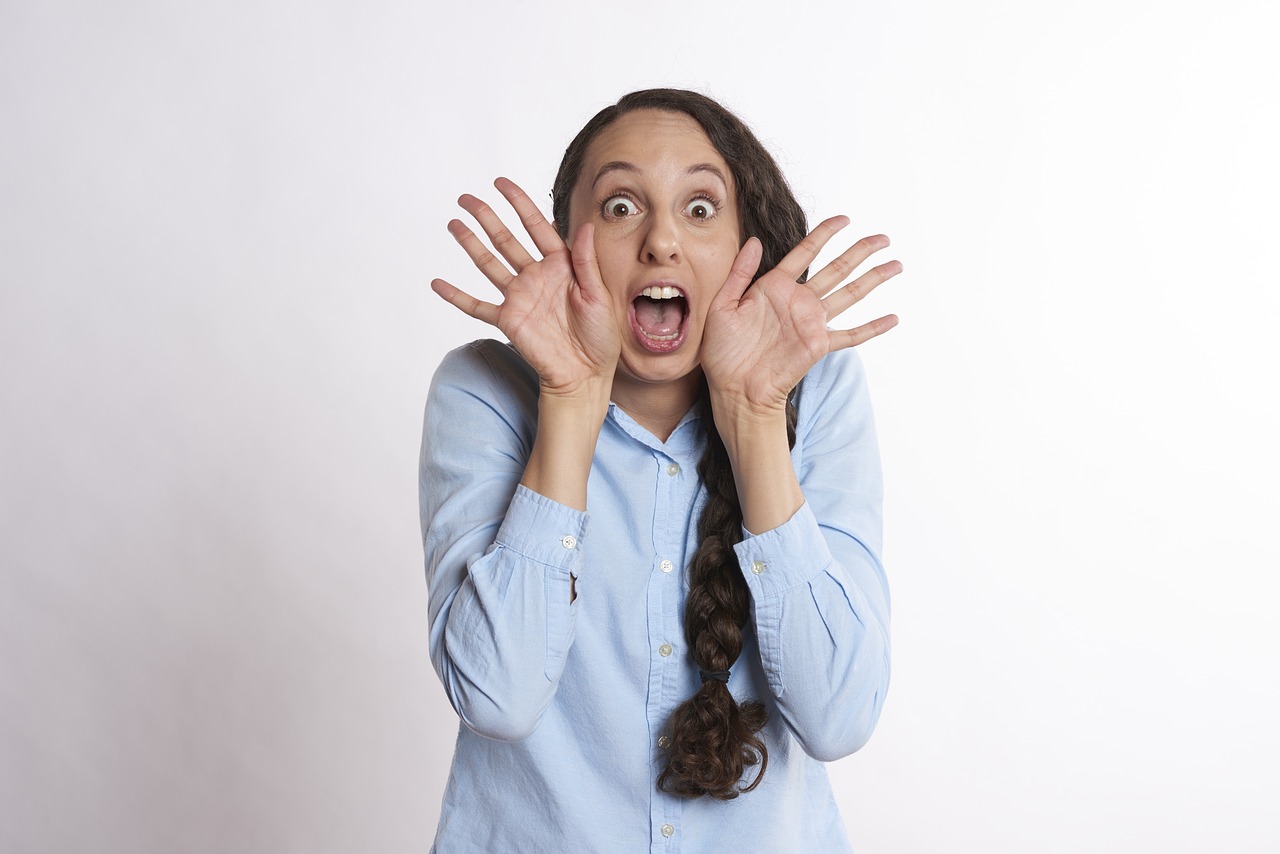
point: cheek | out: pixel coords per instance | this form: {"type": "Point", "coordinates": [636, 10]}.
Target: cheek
{"type": "Point", "coordinates": [720, 259]}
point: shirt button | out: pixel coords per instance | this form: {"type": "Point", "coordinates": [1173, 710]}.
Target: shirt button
{"type": "Point", "coordinates": [667, 830]}
{"type": "Point", "coordinates": [757, 566]}
{"type": "Point", "coordinates": [664, 741]}
{"type": "Point", "coordinates": [568, 542]}
{"type": "Point", "coordinates": [673, 469]}
{"type": "Point", "coordinates": [666, 566]}
{"type": "Point", "coordinates": [664, 650]}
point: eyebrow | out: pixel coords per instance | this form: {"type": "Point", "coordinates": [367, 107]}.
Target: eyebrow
{"type": "Point", "coordinates": [624, 166]}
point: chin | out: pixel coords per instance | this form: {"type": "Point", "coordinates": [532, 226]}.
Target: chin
{"type": "Point", "coordinates": [649, 368]}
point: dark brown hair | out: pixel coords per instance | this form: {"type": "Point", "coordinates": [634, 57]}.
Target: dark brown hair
{"type": "Point", "coordinates": [714, 739]}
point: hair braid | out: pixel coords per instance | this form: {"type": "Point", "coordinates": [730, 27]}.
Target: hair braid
{"type": "Point", "coordinates": [713, 737]}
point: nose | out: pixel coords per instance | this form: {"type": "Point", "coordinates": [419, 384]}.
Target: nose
{"type": "Point", "coordinates": [661, 242]}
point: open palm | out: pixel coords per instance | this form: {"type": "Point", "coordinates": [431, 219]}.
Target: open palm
{"type": "Point", "coordinates": [555, 310]}
{"type": "Point", "coordinates": [761, 340]}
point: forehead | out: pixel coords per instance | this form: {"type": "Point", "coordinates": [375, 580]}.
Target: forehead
{"type": "Point", "coordinates": [652, 140]}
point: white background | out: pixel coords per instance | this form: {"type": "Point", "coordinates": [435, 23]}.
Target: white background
{"type": "Point", "coordinates": [217, 226]}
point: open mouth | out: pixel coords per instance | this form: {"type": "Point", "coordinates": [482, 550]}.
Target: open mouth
{"type": "Point", "coordinates": [658, 317]}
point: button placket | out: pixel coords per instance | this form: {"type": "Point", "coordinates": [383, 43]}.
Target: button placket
{"type": "Point", "coordinates": [671, 542]}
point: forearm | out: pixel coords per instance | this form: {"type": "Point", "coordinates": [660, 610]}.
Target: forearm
{"type": "Point", "coordinates": [564, 446]}
{"type": "Point", "coordinates": [756, 441]}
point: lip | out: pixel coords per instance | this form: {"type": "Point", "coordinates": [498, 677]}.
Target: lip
{"type": "Point", "coordinates": [656, 345]}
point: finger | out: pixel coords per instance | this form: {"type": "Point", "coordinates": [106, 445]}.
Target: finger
{"type": "Point", "coordinates": [842, 338]}
{"type": "Point", "coordinates": [842, 268]}
{"type": "Point", "coordinates": [544, 233]}
{"type": "Point", "coordinates": [744, 268]}
{"type": "Point", "coordinates": [499, 235]}
{"type": "Point", "coordinates": [586, 268]}
{"type": "Point", "coordinates": [469, 305]}
{"type": "Point", "coordinates": [493, 269]}
{"type": "Point", "coordinates": [799, 258]}
{"type": "Point", "coordinates": [842, 298]}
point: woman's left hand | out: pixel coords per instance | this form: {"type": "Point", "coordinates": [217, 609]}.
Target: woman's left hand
{"type": "Point", "coordinates": [760, 342]}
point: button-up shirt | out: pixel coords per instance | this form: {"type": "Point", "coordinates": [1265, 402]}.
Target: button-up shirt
{"type": "Point", "coordinates": [565, 699]}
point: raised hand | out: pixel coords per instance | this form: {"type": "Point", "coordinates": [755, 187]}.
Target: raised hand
{"type": "Point", "coordinates": [759, 343]}
{"type": "Point", "coordinates": [555, 310]}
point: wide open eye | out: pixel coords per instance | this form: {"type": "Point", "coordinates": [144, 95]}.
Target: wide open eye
{"type": "Point", "coordinates": [618, 207]}
{"type": "Point", "coordinates": [700, 208]}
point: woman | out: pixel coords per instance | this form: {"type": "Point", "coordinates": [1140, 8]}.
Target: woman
{"type": "Point", "coordinates": [656, 600]}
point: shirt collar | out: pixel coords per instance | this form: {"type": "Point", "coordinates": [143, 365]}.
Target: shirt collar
{"type": "Point", "coordinates": [685, 439]}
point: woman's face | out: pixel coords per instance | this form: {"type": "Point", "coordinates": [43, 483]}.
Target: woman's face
{"type": "Point", "coordinates": [666, 232]}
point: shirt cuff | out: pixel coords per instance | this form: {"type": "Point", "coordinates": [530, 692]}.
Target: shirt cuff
{"type": "Point", "coordinates": [543, 530]}
{"type": "Point", "coordinates": [785, 557]}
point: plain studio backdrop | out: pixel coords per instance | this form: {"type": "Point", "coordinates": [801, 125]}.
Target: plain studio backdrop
{"type": "Point", "coordinates": [218, 222]}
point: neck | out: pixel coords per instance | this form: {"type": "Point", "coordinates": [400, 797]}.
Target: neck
{"type": "Point", "coordinates": [657, 408]}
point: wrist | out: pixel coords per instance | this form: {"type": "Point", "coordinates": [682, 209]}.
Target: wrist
{"type": "Point", "coordinates": [741, 421]}
{"type": "Point", "coordinates": [587, 399]}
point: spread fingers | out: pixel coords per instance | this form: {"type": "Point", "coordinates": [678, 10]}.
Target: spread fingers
{"type": "Point", "coordinates": [841, 298]}
{"type": "Point", "coordinates": [830, 276]}
{"type": "Point", "coordinates": [842, 338]}
{"type": "Point", "coordinates": [799, 258]}
{"type": "Point", "coordinates": [543, 232]}
{"type": "Point", "coordinates": [464, 302]}
{"type": "Point", "coordinates": [494, 270]}
{"type": "Point", "coordinates": [499, 235]}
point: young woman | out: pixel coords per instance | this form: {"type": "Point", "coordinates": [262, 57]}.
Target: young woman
{"type": "Point", "coordinates": [652, 520]}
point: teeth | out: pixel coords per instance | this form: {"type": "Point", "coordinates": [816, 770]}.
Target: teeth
{"type": "Point", "coordinates": [660, 293]}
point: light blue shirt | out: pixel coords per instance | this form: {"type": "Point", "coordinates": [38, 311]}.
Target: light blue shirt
{"type": "Point", "coordinates": [565, 705]}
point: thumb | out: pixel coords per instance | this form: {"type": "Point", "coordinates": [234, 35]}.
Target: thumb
{"type": "Point", "coordinates": [586, 268]}
{"type": "Point", "coordinates": [744, 267]}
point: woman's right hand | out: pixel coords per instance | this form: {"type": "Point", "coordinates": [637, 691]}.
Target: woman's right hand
{"type": "Point", "coordinates": [556, 311]}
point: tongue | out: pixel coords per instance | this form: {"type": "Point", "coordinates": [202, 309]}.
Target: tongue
{"type": "Point", "coordinates": [659, 318]}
